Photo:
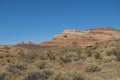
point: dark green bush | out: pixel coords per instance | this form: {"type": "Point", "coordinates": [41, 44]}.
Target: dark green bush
{"type": "Point", "coordinates": [79, 51]}
{"type": "Point", "coordinates": [8, 55]}
{"type": "Point", "coordinates": [66, 58]}
{"type": "Point", "coordinates": [39, 75]}
{"type": "Point", "coordinates": [88, 52]}
{"type": "Point", "coordinates": [1, 56]}
{"type": "Point", "coordinates": [97, 55]}
{"type": "Point", "coordinates": [2, 75]}
{"type": "Point", "coordinates": [109, 53]}
{"type": "Point", "coordinates": [59, 76]}
{"type": "Point", "coordinates": [75, 75]}
{"type": "Point", "coordinates": [41, 65]}
{"type": "Point", "coordinates": [14, 68]}
{"type": "Point", "coordinates": [92, 68]}
{"type": "Point", "coordinates": [31, 56]}
{"type": "Point", "coordinates": [51, 55]}
{"type": "Point", "coordinates": [70, 75]}
{"type": "Point", "coordinates": [115, 52]}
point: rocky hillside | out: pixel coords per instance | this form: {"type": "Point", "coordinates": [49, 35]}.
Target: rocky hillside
{"type": "Point", "coordinates": [76, 38]}
{"type": "Point", "coordinates": [95, 56]}
{"type": "Point", "coordinates": [68, 39]}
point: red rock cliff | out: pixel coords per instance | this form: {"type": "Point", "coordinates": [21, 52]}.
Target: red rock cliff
{"type": "Point", "coordinates": [75, 38]}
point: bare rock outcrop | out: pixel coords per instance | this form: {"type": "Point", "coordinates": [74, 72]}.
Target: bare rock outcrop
{"type": "Point", "coordinates": [77, 38]}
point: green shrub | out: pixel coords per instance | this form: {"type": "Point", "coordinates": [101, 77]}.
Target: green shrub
{"type": "Point", "coordinates": [31, 56]}
{"type": "Point", "coordinates": [115, 52]}
{"type": "Point", "coordinates": [2, 75]}
{"type": "Point", "coordinates": [8, 55]}
{"type": "Point", "coordinates": [88, 52]}
{"type": "Point", "coordinates": [33, 76]}
{"type": "Point", "coordinates": [51, 55]}
{"type": "Point", "coordinates": [69, 75]}
{"type": "Point", "coordinates": [1, 56]}
{"type": "Point", "coordinates": [97, 55]}
{"type": "Point", "coordinates": [78, 51]}
{"type": "Point", "coordinates": [60, 76]}
{"type": "Point", "coordinates": [39, 75]}
{"type": "Point", "coordinates": [21, 55]}
{"type": "Point", "coordinates": [75, 75]}
{"type": "Point", "coordinates": [8, 60]}
{"type": "Point", "coordinates": [43, 56]}
{"type": "Point", "coordinates": [109, 53]}
{"type": "Point", "coordinates": [92, 68]}
{"type": "Point", "coordinates": [66, 58]}
{"type": "Point", "coordinates": [14, 68]}
{"type": "Point", "coordinates": [41, 65]}
{"type": "Point", "coordinates": [83, 53]}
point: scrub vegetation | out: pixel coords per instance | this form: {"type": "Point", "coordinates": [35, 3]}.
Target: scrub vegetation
{"type": "Point", "coordinates": [82, 63]}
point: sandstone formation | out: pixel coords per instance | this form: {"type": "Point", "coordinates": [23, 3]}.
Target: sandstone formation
{"type": "Point", "coordinates": [77, 38]}
{"type": "Point", "coordinates": [67, 39]}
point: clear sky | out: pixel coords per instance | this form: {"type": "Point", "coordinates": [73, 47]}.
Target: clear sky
{"type": "Point", "coordinates": [40, 20]}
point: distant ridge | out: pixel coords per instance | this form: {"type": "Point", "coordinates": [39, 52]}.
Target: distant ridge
{"type": "Point", "coordinates": [77, 38]}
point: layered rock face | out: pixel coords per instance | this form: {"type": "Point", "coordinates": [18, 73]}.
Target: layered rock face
{"type": "Point", "coordinates": [76, 38]}
{"type": "Point", "coordinates": [68, 39]}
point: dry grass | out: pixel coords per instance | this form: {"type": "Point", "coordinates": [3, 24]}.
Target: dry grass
{"type": "Point", "coordinates": [76, 64]}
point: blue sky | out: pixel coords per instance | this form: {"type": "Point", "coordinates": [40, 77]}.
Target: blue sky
{"type": "Point", "coordinates": [40, 20]}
